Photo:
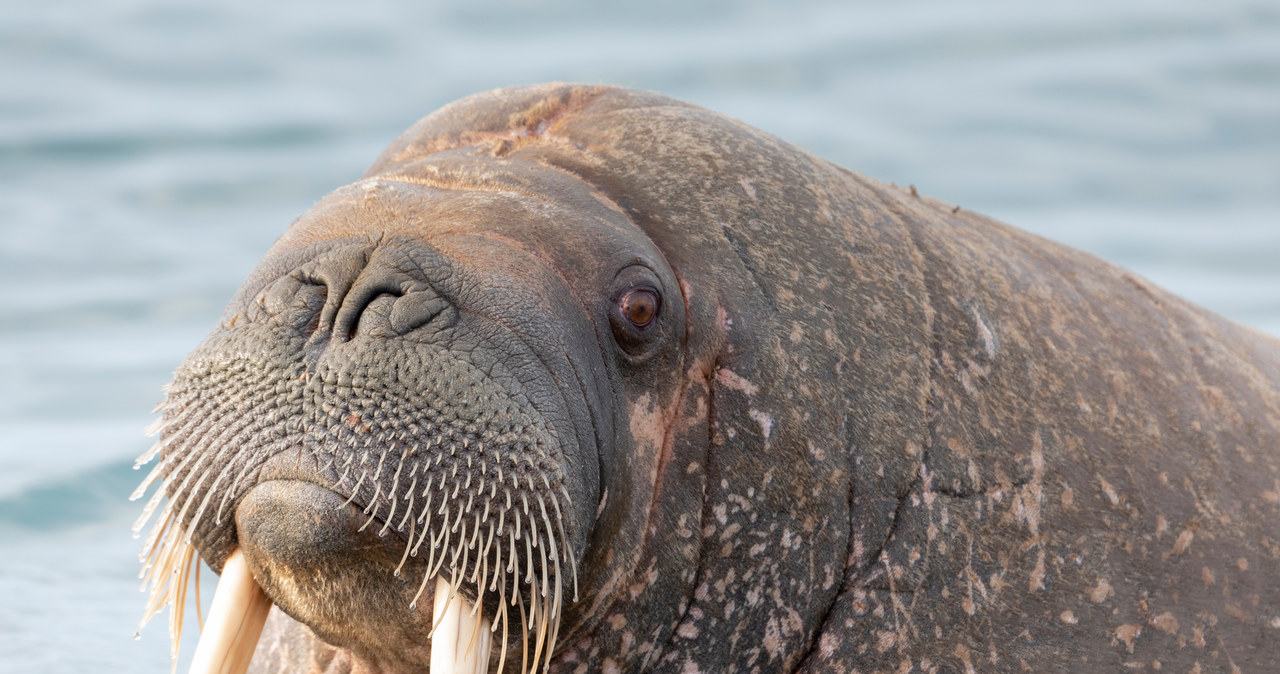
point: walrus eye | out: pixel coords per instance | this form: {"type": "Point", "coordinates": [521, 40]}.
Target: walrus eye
{"type": "Point", "coordinates": [640, 307]}
{"type": "Point", "coordinates": [634, 308]}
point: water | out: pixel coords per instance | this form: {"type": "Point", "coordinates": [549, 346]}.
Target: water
{"type": "Point", "coordinates": [150, 153]}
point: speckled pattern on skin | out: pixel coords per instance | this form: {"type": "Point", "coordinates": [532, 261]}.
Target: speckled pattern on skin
{"type": "Point", "coordinates": [891, 435]}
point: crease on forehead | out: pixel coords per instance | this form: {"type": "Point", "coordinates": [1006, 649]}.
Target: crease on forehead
{"type": "Point", "coordinates": [456, 185]}
{"type": "Point", "coordinates": [542, 180]}
{"type": "Point", "coordinates": [376, 209]}
{"type": "Point", "coordinates": [565, 226]}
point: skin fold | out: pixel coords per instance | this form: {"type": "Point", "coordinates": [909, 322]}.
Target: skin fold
{"type": "Point", "coordinates": [865, 431]}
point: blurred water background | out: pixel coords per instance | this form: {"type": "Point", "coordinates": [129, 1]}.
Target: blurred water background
{"type": "Point", "coordinates": [150, 152]}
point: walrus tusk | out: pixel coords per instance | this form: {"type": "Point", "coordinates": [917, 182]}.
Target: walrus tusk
{"type": "Point", "coordinates": [460, 640]}
{"type": "Point", "coordinates": [235, 621]}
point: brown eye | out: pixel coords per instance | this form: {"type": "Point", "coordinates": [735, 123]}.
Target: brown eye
{"type": "Point", "coordinates": [640, 307]}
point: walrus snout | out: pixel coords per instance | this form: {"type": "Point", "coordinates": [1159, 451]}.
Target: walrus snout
{"type": "Point", "coordinates": [375, 417]}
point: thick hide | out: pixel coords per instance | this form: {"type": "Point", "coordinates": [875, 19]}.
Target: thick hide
{"type": "Point", "coordinates": [860, 430]}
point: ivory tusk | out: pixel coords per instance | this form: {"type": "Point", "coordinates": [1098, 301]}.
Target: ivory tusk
{"type": "Point", "coordinates": [460, 641]}
{"type": "Point", "coordinates": [235, 621]}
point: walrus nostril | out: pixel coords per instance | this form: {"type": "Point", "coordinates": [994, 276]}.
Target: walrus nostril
{"type": "Point", "coordinates": [308, 298]}
{"type": "Point", "coordinates": [415, 309]}
{"type": "Point", "coordinates": [383, 309]}
{"type": "Point", "coordinates": [373, 299]}
{"type": "Point", "coordinates": [390, 297]}
{"type": "Point", "coordinates": [296, 300]}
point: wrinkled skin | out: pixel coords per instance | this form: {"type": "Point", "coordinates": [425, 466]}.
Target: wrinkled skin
{"type": "Point", "coordinates": [866, 432]}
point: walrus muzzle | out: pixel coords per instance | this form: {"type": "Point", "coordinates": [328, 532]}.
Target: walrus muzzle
{"type": "Point", "coordinates": [359, 433]}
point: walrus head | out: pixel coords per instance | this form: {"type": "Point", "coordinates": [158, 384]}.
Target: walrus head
{"type": "Point", "coordinates": [498, 368]}
{"type": "Point", "coordinates": [421, 380]}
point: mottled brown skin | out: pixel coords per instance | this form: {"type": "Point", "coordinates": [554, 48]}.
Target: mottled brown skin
{"type": "Point", "coordinates": [886, 436]}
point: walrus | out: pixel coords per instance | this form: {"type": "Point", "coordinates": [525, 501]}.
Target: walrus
{"type": "Point", "coordinates": [584, 379]}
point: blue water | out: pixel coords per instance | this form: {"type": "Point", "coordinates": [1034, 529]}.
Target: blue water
{"type": "Point", "coordinates": [150, 152]}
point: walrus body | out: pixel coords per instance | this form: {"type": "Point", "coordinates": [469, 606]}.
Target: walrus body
{"type": "Point", "coordinates": [867, 432]}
